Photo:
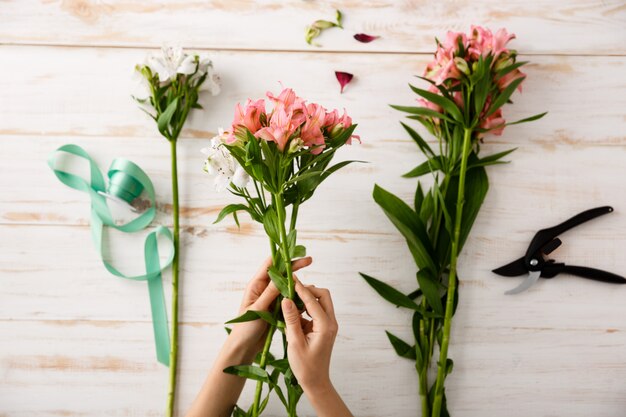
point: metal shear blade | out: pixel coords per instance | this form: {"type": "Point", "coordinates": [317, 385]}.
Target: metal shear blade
{"type": "Point", "coordinates": [526, 284]}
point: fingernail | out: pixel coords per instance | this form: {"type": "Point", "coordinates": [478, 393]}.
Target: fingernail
{"type": "Point", "coordinates": [287, 304]}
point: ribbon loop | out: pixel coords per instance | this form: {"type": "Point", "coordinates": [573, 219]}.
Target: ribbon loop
{"type": "Point", "coordinates": [126, 182]}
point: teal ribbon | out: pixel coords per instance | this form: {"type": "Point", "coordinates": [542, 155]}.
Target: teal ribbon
{"type": "Point", "coordinates": [126, 182]}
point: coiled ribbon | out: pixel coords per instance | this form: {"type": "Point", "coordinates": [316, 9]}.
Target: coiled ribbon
{"type": "Point", "coordinates": [126, 182]}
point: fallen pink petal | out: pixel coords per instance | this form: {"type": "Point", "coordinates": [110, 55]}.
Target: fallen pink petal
{"type": "Point", "coordinates": [364, 38]}
{"type": "Point", "coordinates": [344, 78]}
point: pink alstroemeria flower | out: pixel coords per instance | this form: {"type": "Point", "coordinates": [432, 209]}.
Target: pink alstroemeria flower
{"type": "Point", "coordinates": [249, 115]}
{"type": "Point", "coordinates": [494, 124]}
{"type": "Point", "coordinates": [509, 78]}
{"type": "Point", "coordinates": [280, 129]}
{"type": "Point", "coordinates": [311, 133]}
{"type": "Point", "coordinates": [290, 102]}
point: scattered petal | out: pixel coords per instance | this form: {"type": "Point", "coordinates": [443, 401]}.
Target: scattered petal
{"type": "Point", "coordinates": [344, 78]}
{"type": "Point", "coordinates": [362, 37]}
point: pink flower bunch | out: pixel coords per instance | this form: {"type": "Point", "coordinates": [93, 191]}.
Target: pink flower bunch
{"type": "Point", "coordinates": [291, 124]}
{"type": "Point", "coordinates": [459, 51]}
{"type": "Point", "coordinates": [458, 56]}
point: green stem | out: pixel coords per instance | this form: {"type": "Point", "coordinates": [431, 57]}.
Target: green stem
{"type": "Point", "coordinates": [447, 323]}
{"type": "Point", "coordinates": [284, 246]}
{"type": "Point", "coordinates": [423, 372]}
{"type": "Point", "coordinates": [423, 390]}
{"type": "Point", "coordinates": [263, 361]}
{"type": "Point", "coordinates": [174, 322]}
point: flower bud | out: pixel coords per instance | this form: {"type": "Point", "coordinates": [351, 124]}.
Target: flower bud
{"type": "Point", "coordinates": [336, 130]}
{"type": "Point", "coordinates": [461, 65]}
{"type": "Point", "coordinates": [295, 145]}
{"type": "Point", "coordinates": [504, 61]}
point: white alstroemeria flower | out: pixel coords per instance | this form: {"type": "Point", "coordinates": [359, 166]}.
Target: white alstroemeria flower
{"type": "Point", "coordinates": [221, 165]}
{"type": "Point", "coordinates": [212, 81]}
{"type": "Point", "coordinates": [170, 62]}
{"type": "Point", "coordinates": [141, 86]}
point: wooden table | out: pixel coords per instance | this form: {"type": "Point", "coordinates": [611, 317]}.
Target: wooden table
{"type": "Point", "coordinates": [76, 341]}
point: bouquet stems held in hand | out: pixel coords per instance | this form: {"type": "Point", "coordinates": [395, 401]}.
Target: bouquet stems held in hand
{"type": "Point", "coordinates": [469, 81]}
{"type": "Point", "coordinates": [274, 161]}
{"type": "Point", "coordinates": [170, 83]}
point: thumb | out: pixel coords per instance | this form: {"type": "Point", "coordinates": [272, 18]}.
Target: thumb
{"type": "Point", "coordinates": [293, 327]}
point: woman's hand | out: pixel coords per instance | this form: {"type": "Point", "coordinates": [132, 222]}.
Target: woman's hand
{"type": "Point", "coordinates": [220, 391]}
{"type": "Point", "coordinates": [259, 296]}
{"type": "Point", "coordinates": [310, 345]}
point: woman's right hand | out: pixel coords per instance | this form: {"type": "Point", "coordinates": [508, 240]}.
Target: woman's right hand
{"type": "Point", "coordinates": [310, 342]}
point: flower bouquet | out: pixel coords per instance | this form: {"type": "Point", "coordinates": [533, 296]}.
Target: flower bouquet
{"type": "Point", "coordinates": [274, 161]}
{"type": "Point", "coordinates": [170, 84]}
{"type": "Point", "coordinates": [471, 78]}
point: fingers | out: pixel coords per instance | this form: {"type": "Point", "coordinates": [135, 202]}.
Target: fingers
{"type": "Point", "coordinates": [293, 327]}
{"type": "Point", "coordinates": [313, 307]}
{"type": "Point", "coordinates": [301, 263]}
{"type": "Point", "coordinates": [324, 298]}
{"type": "Point", "coordinates": [263, 276]}
{"type": "Point", "coordinates": [266, 298]}
{"type": "Point", "coordinates": [261, 279]}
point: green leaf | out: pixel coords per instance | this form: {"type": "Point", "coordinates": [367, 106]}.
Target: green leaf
{"type": "Point", "coordinates": [419, 197]}
{"type": "Point", "coordinates": [270, 223]}
{"type": "Point", "coordinates": [298, 252]}
{"type": "Point", "coordinates": [422, 111]}
{"type": "Point", "coordinates": [278, 280]}
{"type": "Point", "coordinates": [304, 176]}
{"type": "Point", "coordinates": [291, 240]}
{"type": "Point", "coordinates": [281, 364]}
{"type": "Point", "coordinates": [490, 159]}
{"type": "Point", "coordinates": [504, 96]}
{"type": "Point", "coordinates": [449, 366]}
{"type": "Point", "coordinates": [427, 208]}
{"type": "Point", "coordinates": [501, 73]}
{"type": "Point", "coordinates": [231, 208]}
{"type": "Point", "coordinates": [430, 289]}
{"type": "Point", "coordinates": [446, 214]}
{"type": "Point", "coordinates": [409, 224]}
{"type": "Point", "coordinates": [481, 91]}
{"type": "Point", "coordinates": [338, 166]}
{"type": "Point", "coordinates": [421, 143]}
{"type": "Point", "coordinates": [413, 295]}
{"type": "Point", "coordinates": [447, 104]}
{"type": "Point", "coordinates": [252, 315]}
{"type": "Point", "coordinates": [164, 119]}
{"type": "Point", "coordinates": [402, 348]}
{"type": "Point", "coordinates": [419, 358]}
{"type": "Point", "coordinates": [248, 371]}
{"type": "Point", "coordinates": [431, 165]}
{"type": "Point", "coordinates": [238, 412]}
{"type": "Point", "coordinates": [528, 119]}
{"type": "Point", "coordinates": [476, 187]}
{"type": "Point", "coordinates": [389, 293]}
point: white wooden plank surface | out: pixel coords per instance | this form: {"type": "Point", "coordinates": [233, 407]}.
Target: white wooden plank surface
{"type": "Point", "coordinates": [556, 350]}
{"type": "Point", "coordinates": [591, 27]}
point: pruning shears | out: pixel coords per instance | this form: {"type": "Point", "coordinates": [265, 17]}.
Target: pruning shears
{"type": "Point", "coordinates": [535, 265]}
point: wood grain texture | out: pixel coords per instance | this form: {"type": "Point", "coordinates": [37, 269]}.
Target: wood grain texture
{"type": "Point", "coordinates": [590, 27]}
{"type": "Point", "coordinates": [76, 341]}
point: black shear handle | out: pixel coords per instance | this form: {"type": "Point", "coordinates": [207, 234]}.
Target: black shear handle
{"type": "Point", "coordinates": [592, 273]}
{"type": "Point", "coordinates": [544, 236]}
